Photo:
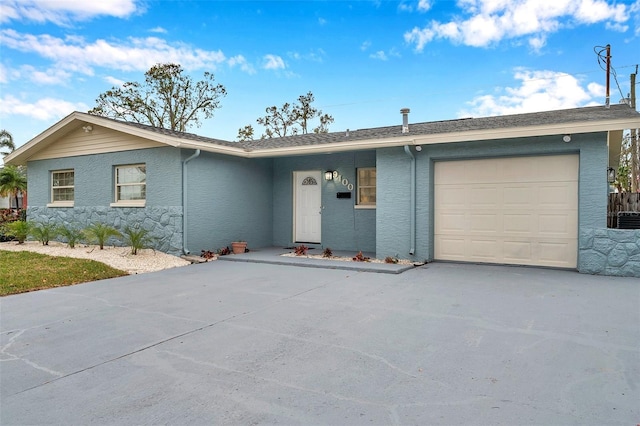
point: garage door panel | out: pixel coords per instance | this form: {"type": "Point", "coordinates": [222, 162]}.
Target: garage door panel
{"type": "Point", "coordinates": [451, 196]}
{"type": "Point", "coordinates": [452, 248]}
{"type": "Point", "coordinates": [558, 196]}
{"type": "Point", "coordinates": [508, 210]}
{"type": "Point", "coordinates": [558, 253]}
{"type": "Point", "coordinates": [484, 197]}
{"type": "Point", "coordinates": [482, 223]}
{"type": "Point", "coordinates": [452, 222]}
{"type": "Point", "coordinates": [484, 250]}
{"type": "Point", "coordinates": [518, 223]}
{"type": "Point", "coordinates": [520, 251]}
{"type": "Point", "coordinates": [557, 224]}
{"type": "Point", "coordinates": [518, 196]}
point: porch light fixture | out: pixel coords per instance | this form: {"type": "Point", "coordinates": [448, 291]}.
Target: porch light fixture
{"type": "Point", "coordinates": [566, 138]}
{"type": "Point", "coordinates": [328, 175]}
{"type": "Point", "coordinates": [611, 175]}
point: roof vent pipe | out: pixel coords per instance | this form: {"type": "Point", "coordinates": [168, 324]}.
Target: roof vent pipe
{"type": "Point", "coordinates": [405, 119]}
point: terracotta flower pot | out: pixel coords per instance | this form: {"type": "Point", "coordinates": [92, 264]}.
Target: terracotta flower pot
{"type": "Point", "coordinates": [239, 247]}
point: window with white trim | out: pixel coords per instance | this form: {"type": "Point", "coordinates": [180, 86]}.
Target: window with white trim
{"type": "Point", "coordinates": [131, 184]}
{"type": "Point", "coordinates": [62, 187]}
{"type": "Point", "coordinates": [366, 193]}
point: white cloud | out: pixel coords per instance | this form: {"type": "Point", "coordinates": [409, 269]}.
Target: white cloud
{"type": "Point", "coordinates": [489, 21]}
{"type": "Point", "coordinates": [316, 55]}
{"type": "Point", "coordinates": [538, 91]}
{"type": "Point", "coordinates": [42, 109]}
{"type": "Point", "coordinates": [49, 76]}
{"type": "Point", "coordinates": [380, 55]}
{"type": "Point", "coordinates": [273, 62]}
{"type": "Point", "coordinates": [134, 54]}
{"type": "Point", "coordinates": [158, 30]}
{"type": "Point", "coordinates": [114, 81]}
{"type": "Point", "coordinates": [240, 61]}
{"type": "Point", "coordinates": [4, 74]}
{"type": "Point", "coordinates": [366, 45]}
{"type": "Point", "coordinates": [424, 5]}
{"type": "Point", "coordinates": [64, 11]}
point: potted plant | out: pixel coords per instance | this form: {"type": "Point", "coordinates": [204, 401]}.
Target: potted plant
{"type": "Point", "coordinates": [239, 247]}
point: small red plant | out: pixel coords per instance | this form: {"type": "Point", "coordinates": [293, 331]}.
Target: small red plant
{"type": "Point", "coordinates": [391, 259]}
{"type": "Point", "coordinates": [208, 254]}
{"type": "Point", "coordinates": [327, 252]}
{"type": "Point", "coordinates": [361, 257]}
{"type": "Point", "coordinates": [301, 250]}
{"type": "Point", "coordinates": [224, 251]}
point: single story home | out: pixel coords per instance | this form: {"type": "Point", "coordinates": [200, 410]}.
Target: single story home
{"type": "Point", "coordinates": [525, 189]}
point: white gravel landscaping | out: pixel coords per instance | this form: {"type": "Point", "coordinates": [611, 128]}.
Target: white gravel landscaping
{"type": "Point", "coordinates": [146, 260]}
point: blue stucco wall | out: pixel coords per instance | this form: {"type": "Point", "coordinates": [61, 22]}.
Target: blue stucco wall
{"type": "Point", "coordinates": [94, 191]}
{"type": "Point", "coordinates": [343, 226]}
{"type": "Point", "coordinates": [393, 171]}
{"type": "Point", "coordinates": [229, 199]}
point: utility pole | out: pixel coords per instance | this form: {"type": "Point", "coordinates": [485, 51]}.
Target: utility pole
{"type": "Point", "coordinates": [607, 100]}
{"type": "Point", "coordinates": [635, 154]}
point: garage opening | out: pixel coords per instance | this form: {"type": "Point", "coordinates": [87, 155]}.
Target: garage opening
{"type": "Point", "coordinates": [520, 210]}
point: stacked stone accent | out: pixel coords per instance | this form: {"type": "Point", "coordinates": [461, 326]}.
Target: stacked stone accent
{"type": "Point", "coordinates": [606, 251]}
{"type": "Point", "coordinates": [163, 223]}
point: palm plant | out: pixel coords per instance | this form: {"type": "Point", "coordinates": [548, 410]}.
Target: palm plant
{"type": "Point", "coordinates": [100, 233]}
{"type": "Point", "coordinates": [12, 181]}
{"type": "Point", "coordinates": [137, 238]}
{"type": "Point", "coordinates": [19, 230]}
{"type": "Point", "coordinates": [6, 141]}
{"type": "Point", "coordinates": [71, 234]}
{"type": "Point", "coordinates": [44, 232]}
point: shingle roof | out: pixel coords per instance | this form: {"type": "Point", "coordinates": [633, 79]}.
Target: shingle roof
{"type": "Point", "coordinates": [596, 113]}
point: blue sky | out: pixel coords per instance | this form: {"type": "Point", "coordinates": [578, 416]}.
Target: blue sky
{"type": "Point", "coordinates": [363, 60]}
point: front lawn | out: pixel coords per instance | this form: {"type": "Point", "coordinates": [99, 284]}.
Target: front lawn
{"type": "Point", "coordinates": [23, 271]}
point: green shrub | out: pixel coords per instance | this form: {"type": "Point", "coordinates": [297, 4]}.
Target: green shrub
{"type": "Point", "coordinates": [71, 234]}
{"type": "Point", "coordinates": [18, 229]}
{"type": "Point", "coordinates": [137, 238]}
{"type": "Point", "coordinates": [100, 233]}
{"type": "Point", "coordinates": [44, 232]}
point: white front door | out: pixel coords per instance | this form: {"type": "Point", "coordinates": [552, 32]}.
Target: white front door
{"type": "Point", "coordinates": [307, 205]}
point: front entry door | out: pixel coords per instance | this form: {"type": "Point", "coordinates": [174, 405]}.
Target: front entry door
{"type": "Point", "coordinates": [307, 205]}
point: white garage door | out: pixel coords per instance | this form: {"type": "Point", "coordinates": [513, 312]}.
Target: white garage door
{"type": "Point", "coordinates": [521, 210]}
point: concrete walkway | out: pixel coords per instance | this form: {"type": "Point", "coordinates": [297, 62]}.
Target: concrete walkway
{"type": "Point", "coordinates": [273, 256]}
{"type": "Point", "coordinates": [254, 343]}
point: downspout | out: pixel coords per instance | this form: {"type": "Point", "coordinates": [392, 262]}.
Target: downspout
{"type": "Point", "coordinates": [184, 200]}
{"type": "Point", "coordinates": [412, 202]}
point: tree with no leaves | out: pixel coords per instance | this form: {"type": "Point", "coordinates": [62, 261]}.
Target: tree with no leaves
{"type": "Point", "coordinates": [289, 119]}
{"type": "Point", "coordinates": [167, 98]}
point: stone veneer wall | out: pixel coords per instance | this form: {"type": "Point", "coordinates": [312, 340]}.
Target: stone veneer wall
{"type": "Point", "coordinates": [163, 223]}
{"type": "Point", "coordinates": [606, 251]}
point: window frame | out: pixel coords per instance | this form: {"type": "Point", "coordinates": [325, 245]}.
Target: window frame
{"type": "Point", "coordinates": [61, 203]}
{"type": "Point", "coordinates": [359, 204]}
{"type": "Point", "coordinates": [129, 203]}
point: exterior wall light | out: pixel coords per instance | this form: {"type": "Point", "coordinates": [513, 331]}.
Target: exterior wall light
{"type": "Point", "coordinates": [566, 138]}
{"type": "Point", "coordinates": [611, 175]}
{"type": "Point", "coordinates": [328, 175]}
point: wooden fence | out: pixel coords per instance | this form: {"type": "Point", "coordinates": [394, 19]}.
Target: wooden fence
{"type": "Point", "coordinates": [621, 202]}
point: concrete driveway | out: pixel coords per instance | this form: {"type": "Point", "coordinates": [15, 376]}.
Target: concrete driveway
{"type": "Point", "coordinates": [242, 343]}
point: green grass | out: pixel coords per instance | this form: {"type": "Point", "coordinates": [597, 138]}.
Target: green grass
{"type": "Point", "coordinates": [23, 271]}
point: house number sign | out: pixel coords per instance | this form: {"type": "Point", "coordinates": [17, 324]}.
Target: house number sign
{"type": "Point", "coordinates": [344, 181]}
